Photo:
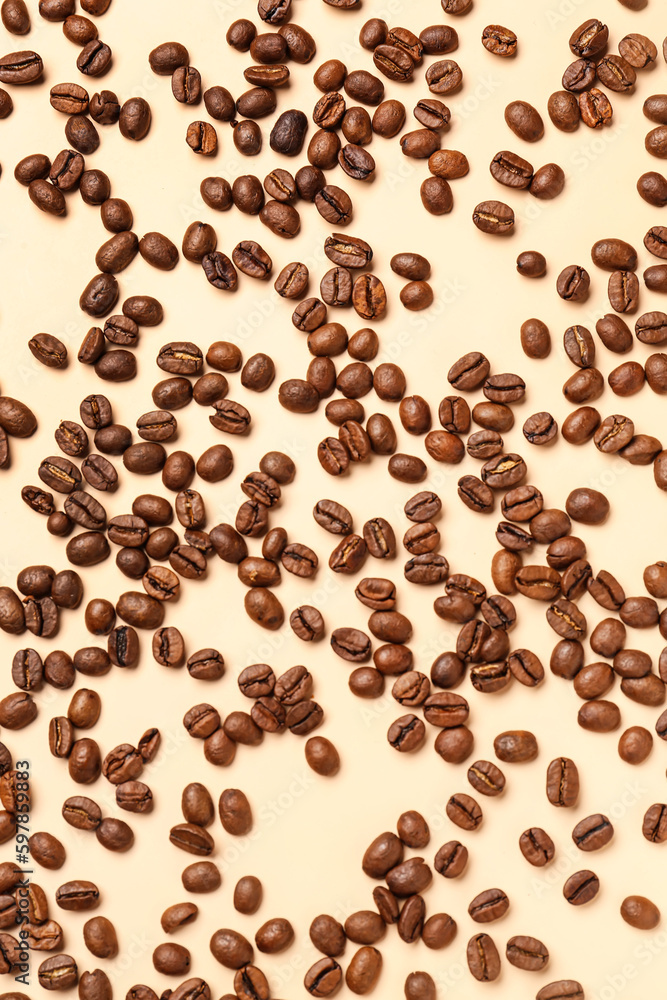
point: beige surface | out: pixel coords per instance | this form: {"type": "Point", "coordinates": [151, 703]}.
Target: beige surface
{"type": "Point", "coordinates": [309, 832]}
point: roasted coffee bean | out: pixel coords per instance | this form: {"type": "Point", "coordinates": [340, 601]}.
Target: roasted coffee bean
{"type": "Point", "coordinates": [562, 782]}
{"type": "Point", "coordinates": [652, 186]}
{"type": "Point", "coordinates": [58, 973]}
{"type": "Point", "coordinates": [292, 281]}
{"type": "Point", "coordinates": [573, 283]}
{"type": "Point", "coordinates": [493, 217]}
{"type": "Point", "coordinates": [488, 905]}
{"type": "Point", "coordinates": [351, 644]}
{"type": "Point", "coordinates": [464, 811]}
{"type": "Point", "coordinates": [406, 734]}
{"type": "Point", "coordinates": [77, 895]}
{"type": "Point", "coordinates": [563, 110]}
{"type": "Point", "coordinates": [635, 745]}
{"type": "Point", "coordinates": [99, 936]}
{"type": "Point", "coordinates": [483, 958]}
{"type": "Point", "coordinates": [616, 74]}
{"type": "Point", "coordinates": [654, 826]}
{"type": "Point", "coordinates": [592, 833]}
{"type": "Point", "coordinates": [537, 847]}
{"type": "Point", "coordinates": [407, 468]}
{"type": "Point", "coordinates": [638, 911]}
{"type": "Point", "coordinates": [579, 76]}
{"type": "Point", "coordinates": [59, 474]}
{"type": "Point", "coordinates": [47, 851]}
{"type": "Point", "coordinates": [19, 68]}
{"type": "Point", "coordinates": [511, 170]}
{"type": "Point", "coordinates": [599, 716]}
{"type": "Point", "coordinates": [33, 167]}
{"type": "Point", "coordinates": [167, 57]}
{"type": "Point", "coordinates": [548, 182]}
{"type": "Point", "coordinates": [527, 953]}
{"type": "Point", "coordinates": [535, 339]}
{"type": "Point", "coordinates": [81, 813]}
{"type": "Point", "coordinates": [567, 658]}
{"type": "Point", "coordinates": [104, 107]}
{"type": "Point", "coordinates": [486, 778]}
{"type": "Point", "coordinates": [531, 264]}
{"type": "Point", "coordinates": [595, 107]}
{"type": "Point", "coordinates": [515, 746]}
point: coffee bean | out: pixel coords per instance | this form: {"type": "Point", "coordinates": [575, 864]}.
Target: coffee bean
{"type": "Point", "coordinates": [33, 167]}
{"type": "Point", "coordinates": [167, 57]}
{"type": "Point", "coordinates": [407, 468]}
{"type": "Point", "coordinates": [563, 109]}
{"type": "Point", "coordinates": [595, 108]}
{"type": "Point", "coordinates": [531, 264]}
{"type": "Point", "coordinates": [524, 120]}
{"type": "Point", "coordinates": [592, 833]}
{"type": "Point", "coordinates": [537, 847]}
{"type": "Point", "coordinates": [21, 68]}
{"type": "Point", "coordinates": [486, 778]}
{"type": "Point", "coordinates": [464, 811]}
{"type": "Point", "coordinates": [493, 217]}
{"type": "Point", "coordinates": [548, 182]}
{"type": "Point", "coordinates": [581, 888]}
{"type": "Point", "coordinates": [292, 281]}
{"type": "Point", "coordinates": [654, 826]}
{"type": "Point", "coordinates": [527, 953]}
{"type": "Point", "coordinates": [82, 813]}
{"type": "Point", "coordinates": [616, 74]}
{"type": "Point", "coordinates": [171, 959]}
{"type": "Point", "coordinates": [324, 978]}
{"type": "Point", "coordinates": [562, 782]}
{"type": "Point", "coordinates": [515, 746]}
{"type": "Point", "coordinates": [47, 851]}
{"type": "Point", "coordinates": [99, 936]}
{"type": "Point", "coordinates": [135, 118]}
{"type": "Point", "coordinates": [483, 958]}
{"type": "Point", "coordinates": [77, 895]}
{"type": "Point", "coordinates": [579, 76]}
{"type": "Point", "coordinates": [15, 17]}
{"type": "Point", "coordinates": [488, 905]}
{"type": "Point", "coordinates": [104, 107]}
{"type": "Point", "coordinates": [58, 973]}
{"type": "Point", "coordinates": [640, 912]}
{"type": "Point", "coordinates": [586, 505]}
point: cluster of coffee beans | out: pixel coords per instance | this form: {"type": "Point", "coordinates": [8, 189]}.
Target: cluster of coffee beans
{"type": "Point", "coordinates": [279, 703]}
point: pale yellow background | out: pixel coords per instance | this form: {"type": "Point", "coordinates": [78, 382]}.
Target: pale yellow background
{"type": "Point", "coordinates": [310, 833]}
